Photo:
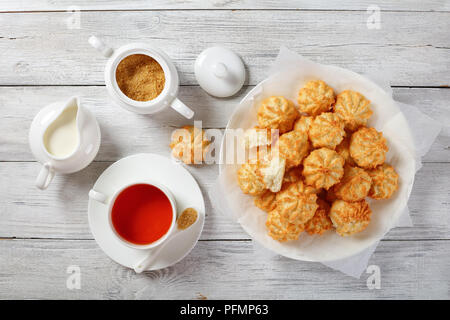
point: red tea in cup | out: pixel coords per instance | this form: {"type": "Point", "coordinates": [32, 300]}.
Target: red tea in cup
{"type": "Point", "coordinates": [142, 214]}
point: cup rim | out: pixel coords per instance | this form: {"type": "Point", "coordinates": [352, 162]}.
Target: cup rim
{"type": "Point", "coordinates": [161, 61]}
{"type": "Point", "coordinates": [164, 237]}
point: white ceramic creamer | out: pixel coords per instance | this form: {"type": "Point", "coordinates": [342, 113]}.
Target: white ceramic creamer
{"type": "Point", "coordinates": [65, 138]}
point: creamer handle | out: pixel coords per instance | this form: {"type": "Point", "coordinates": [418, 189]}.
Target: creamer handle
{"type": "Point", "coordinates": [45, 176]}
{"type": "Point", "coordinates": [100, 46]}
{"type": "Point", "coordinates": [183, 109]}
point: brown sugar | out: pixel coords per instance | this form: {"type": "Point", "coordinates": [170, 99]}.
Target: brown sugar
{"type": "Point", "coordinates": [187, 218]}
{"type": "Point", "coordinates": [140, 77]}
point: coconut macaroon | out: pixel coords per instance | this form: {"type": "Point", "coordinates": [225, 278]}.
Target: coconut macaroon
{"type": "Point", "coordinates": [343, 150]}
{"type": "Point", "coordinates": [272, 170]}
{"type": "Point", "coordinates": [354, 185]}
{"type": "Point", "coordinates": [323, 168]}
{"type": "Point", "coordinates": [189, 144]}
{"type": "Point", "coordinates": [265, 172]}
{"type": "Point", "coordinates": [320, 222]}
{"type": "Point", "coordinates": [279, 228]}
{"type": "Point", "coordinates": [327, 130]}
{"type": "Point", "coordinates": [277, 113]}
{"type": "Point", "coordinates": [353, 108]}
{"type": "Point", "coordinates": [293, 146]}
{"type": "Point", "coordinates": [384, 182]}
{"type": "Point", "coordinates": [368, 148]}
{"type": "Point", "coordinates": [266, 201]}
{"type": "Point", "coordinates": [350, 217]}
{"type": "Point", "coordinates": [297, 203]}
{"type": "Point", "coordinates": [315, 97]}
{"type": "Point", "coordinates": [250, 180]}
{"type": "Point", "coordinates": [303, 123]}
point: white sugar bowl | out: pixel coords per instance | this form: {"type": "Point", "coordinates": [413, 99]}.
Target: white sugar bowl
{"type": "Point", "coordinates": [168, 96]}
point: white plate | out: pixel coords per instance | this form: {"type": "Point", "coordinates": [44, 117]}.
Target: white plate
{"type": "Point", "coordinates": [387, 117]}
{"type": "Point", "coordinates": [161, 170]}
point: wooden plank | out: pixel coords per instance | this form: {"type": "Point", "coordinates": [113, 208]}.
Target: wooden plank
{"type": "Point", "coordinates": [39, 48]}
{"type": "Point", "coordinates": [151, 133]}
{"type": "Point", "coordinates": [434, 103]}
{"type": "Point", "coordinates": [41, 5]}
{"type": "Point", "coordinates": [34, 269]}
{"type": "Point", "coordinates": [60, 211]}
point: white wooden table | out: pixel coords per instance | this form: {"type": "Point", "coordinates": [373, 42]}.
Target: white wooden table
{"type": "Point", "coordinates": [45, 57]}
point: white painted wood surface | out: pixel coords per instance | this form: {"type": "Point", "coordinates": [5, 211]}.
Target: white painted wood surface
{"type": "Point", "coordinates": [58, 55]}
{"type": "Point", "coordinates": [43, 233]}
{"type": "Point", "coordinates": [217, 270]}
{"type": "Point", "coordinates": [62, 5]}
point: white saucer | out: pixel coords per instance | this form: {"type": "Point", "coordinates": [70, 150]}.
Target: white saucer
{"type": "Point", "coordinates": [159, 169]}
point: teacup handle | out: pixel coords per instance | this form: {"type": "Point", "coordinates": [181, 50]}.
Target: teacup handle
{"type": "Point", "coordinates": [100, 46]}
{"type": "Point", "coordinates": [98, 196]}
{"type": "Point", "coordinates": [183, 109]}
{"type": "Point", "coordinates": [45, 176]}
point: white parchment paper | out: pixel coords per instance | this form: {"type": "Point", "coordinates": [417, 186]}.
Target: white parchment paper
{"type": "Point", "coordinates": [409, 132]}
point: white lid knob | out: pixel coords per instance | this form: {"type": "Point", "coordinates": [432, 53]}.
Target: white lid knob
{"type": "Point", "coordinates": [219, 71]}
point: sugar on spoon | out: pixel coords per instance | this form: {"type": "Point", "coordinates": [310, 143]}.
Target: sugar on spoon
{"type": "Point", "coordinates": [187, 218]}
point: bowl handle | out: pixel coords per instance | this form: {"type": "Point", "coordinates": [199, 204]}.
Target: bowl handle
{"type": "Point", "coordinates": [100, 46]}
{"type": "Point", "coordinates": [183, 109]}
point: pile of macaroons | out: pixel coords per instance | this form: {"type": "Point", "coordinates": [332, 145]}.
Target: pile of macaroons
{"type": "Point", "coordinates": [315, 174]}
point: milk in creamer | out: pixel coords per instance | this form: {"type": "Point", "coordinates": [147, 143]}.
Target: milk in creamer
{"type": "Point", "coordinates": [61, 137]}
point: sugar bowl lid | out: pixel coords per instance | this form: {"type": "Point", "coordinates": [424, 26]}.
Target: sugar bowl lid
{"type": "Point", "coordinates": [219, 71]}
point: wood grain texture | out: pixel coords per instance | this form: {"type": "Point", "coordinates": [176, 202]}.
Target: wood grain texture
{"type": "Point", "coordinates": [41, 5]}
{"type": "Point", "coordinates": [61, 210]}
{"type": "Point", "coordinates": [39, 48]}
{"type": "Point", "coordinates": [119, 127]}
{"type": "Point", "coordinates": [219, 270]}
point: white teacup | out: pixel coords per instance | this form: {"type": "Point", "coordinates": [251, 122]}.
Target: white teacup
{"type": "Point", "coordinates": [109, 200]}
{"type": "Point", "coordinates": [168, 97]}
